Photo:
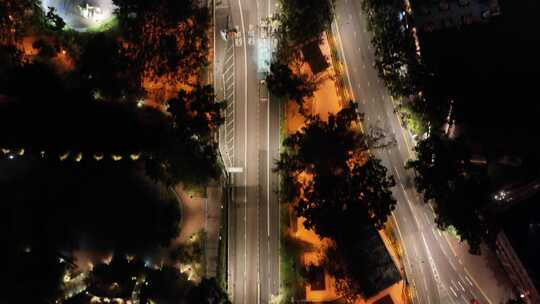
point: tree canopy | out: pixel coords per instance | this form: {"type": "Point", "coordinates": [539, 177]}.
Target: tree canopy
{"type": "Point", "coordinates": [175, 148]}
{"type": "Point", "coordinates": [100, 206]}
{"type": "Point", "coordinates": [282, 82]}
{"type": "Point", "coordinates": [191, 154]}
{"type": "Point", "coordinates": [124, 277]}
{"type": "Point", "coordinates": [305, 20]}
{"type": "Point", "coordinates": [446, 177]}
{"type": "Point", "coordinates": [15, 18]}
{"type": "Point", "coordinates": [165, 37]}
{"type": "Point", "coordinates": [104, 69]}
{"type": "Point", "coordinates": [336, 184]}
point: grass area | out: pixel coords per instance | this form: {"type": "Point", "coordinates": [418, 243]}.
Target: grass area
{"type": "Point", "coordinates": [453, 232]}
{"type": "Point", "coordinates": [290, 250]}
{"type": "Point", "coordinates": [292, 283]}
{"type": "Point", "coordinates": [412, 119]}
{"type": "Point", "coordinates": [282, 124]}
{"type": "Point", "coordinates": [222, 247]}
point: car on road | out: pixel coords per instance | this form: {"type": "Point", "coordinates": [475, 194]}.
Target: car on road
{"type": "Point", "coordinates": [263, 91]}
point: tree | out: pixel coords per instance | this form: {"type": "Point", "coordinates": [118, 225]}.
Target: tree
{"type": "Point", "coordinates": [46, 50]}
{"type": "Point", "coordinates": [55, 22]}
{"type": "Point", "coordinates": [190, 155]}
{"type": "Point", "coordinates": [337, 185]}
{"type": "Point", "coordinates": [164, 39]}
{"type": "Point", "coordinates": [103, 68]}
{"type": "Point", "coordinates": [10, 59]}
{"type": "Point", "coordinates": [282, 82]}
{"type": "Point", "coordinates": [446, 177]}
{"type": "Point", "coordinates": [33, 273]}
{"type": "Point", "coordinates": [166, 285]}
{"type": "Point", "coordinates": [343, 182]}
{"type": "Point", "coordinates": [208, 291]}
{"type": "Point", "coordinates": [105, 205]}
{"type": "Point", "coordinates": [15, 18]}
{"type": "Point", "coordinates": [115, 280]}
{"type": "Point", "coordinates": [306, 20]}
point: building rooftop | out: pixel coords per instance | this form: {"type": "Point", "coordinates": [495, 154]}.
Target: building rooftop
{"type": "Point", "coordinates": [433, 15]}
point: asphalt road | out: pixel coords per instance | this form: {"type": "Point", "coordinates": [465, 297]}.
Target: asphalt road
{"type": "Point", "coordinates": [433, 271]}
{"type": "Point", "coordinates": [253, 256]}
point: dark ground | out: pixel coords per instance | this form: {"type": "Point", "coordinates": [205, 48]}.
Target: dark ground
{"type": "Point", "coordinates": [491, 71]}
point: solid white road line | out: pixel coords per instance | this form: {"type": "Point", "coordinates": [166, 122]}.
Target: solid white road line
{"type": "Point", "coordinates": [452, 289]}
{"type": "Point", "coordinates": [468, 280]}
{"type": "Point", "coordinates": [245, 143]}
{"type": "Point", "coordinates": [344, 58]}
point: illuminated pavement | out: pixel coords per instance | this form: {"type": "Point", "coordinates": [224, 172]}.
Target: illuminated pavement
{"type": "Point", "coordinates": [81, 15]}
{"type": "Point", "coordinates": [434, 272]}
{"type": "Point", "coordinates": [253, 258]}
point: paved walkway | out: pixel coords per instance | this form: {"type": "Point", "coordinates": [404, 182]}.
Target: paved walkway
{"type": "Point", "coordinates": [202, 213]}
{"type": "Point", "coordinates": [212, 223]}
{"type": "Point", "coordinates": [193, 216]}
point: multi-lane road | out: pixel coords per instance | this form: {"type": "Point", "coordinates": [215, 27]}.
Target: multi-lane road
{"type": "Point", "coordinates": [253, 257]}
{"type": "Point", "coordinates": [434, 273]}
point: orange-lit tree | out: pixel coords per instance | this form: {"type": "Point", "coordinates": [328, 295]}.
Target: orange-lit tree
{"type": "Point", "coordinates": [164, 39]}
{"type": "Point", "coordinates": [15, 18]}
{"type": "Point", "coordinates": [335, 184]}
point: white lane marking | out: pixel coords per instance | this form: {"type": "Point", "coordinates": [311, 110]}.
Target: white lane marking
{"type": "Point", "coordinates": [411, 206]}
{"type": "Point", "coordinates": [426, 288]}
{"type": "Point", "coordinates": [344, 57]}
{"type": "Point", "coordinates": [245, 139]}
{"type": "Point", "coordinates": [397, 173]}
{"type": "Point", "coordinates": [460, 285]}
{"type": "Point", "coordinates": [452, 289]}
{"type": "Point", "coordinates": [432, 264]}
{"type": "Point", "coordinates": [428, 222]}
{"type": "Point", "coordinates": [368, 83]}
{"type": "Point", "coordinates": [464, 299]}
{"type": "Point", "coordinates": [468, 280]}
{"type": "Point", "coordinates": [454, 284]}
{"type": "Point", "coordinates": [434, 233]}
{"type": "Point", "coordinates": [355, 34]}
{"type": "Point", "coordinates": [268, 167]}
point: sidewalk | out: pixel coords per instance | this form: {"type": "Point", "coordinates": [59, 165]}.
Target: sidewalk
{"type": "Point", "coordinates": [214, 202]}
{"type": "Point", "coordinates": [193, 214]}
{"type": "Point", "coordinates": [485, 270]}
{"type": "Point", "coordinates": [202, 213]}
